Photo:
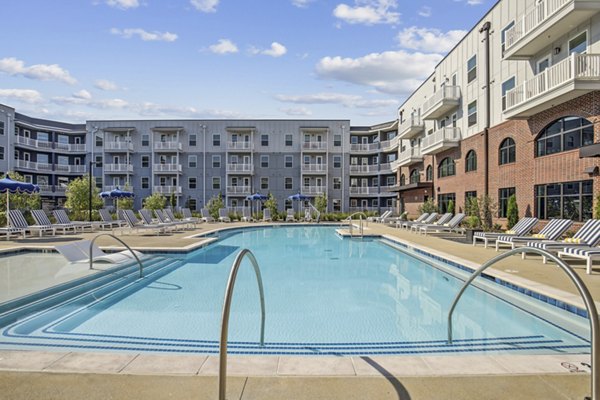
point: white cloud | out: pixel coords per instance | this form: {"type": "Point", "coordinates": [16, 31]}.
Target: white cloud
{"type": "Point", "coordinates": [429, 40]}
{"type": "Point", "coordinates": [104, 84]}
{"type": "Point", "coordinates": [368, 12]}
{"type": "Point", "coordinates": [276, 50]}
{"type": "Point", "coordinates": [207, 6]}
{"type": "Point", "coordinates": [224, 46]}
{"type": "Point", "coordinates": [83, 94]}
{"type": "Point", "coordinates": [474, 2]}
{"type": "Point", "coordinates": [84, 98]}
{"type": "Point", "coordinates": [155, 110]}
{"type": "Point", "coordinates": [395, 72]}
{"type": "Point", "coordinates": [23, 95]}
{"type": "Point", "coordinates": [425, 11]}
{"type": "Point", "coordinates": [346, 100]}
{"type": "Point", "coordinates": [42, 72]}
{"type": "Point", "coordinates": [296, 111]}
{"type": "Point", "coordinates": [302, 3]}
{"type": "Point", "coordinates": [145, 35]}
{"type": "Point", "coordinates": [123, 4]}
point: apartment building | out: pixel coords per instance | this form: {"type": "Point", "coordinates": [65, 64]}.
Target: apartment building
{"type": "Point", "coordinates": [512, 109]}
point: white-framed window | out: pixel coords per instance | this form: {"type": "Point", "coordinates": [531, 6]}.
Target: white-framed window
{"type": "Point", "coordinates": [543, 64]}
{"type": "Point", "coordinates": [353, 203]}
{"type": "Point", "coordinates": [289, 140]}
{"type": "Point", "coordinates": [337, 140]}
{"type": "Point", "coordinates": [216, 140]}
{"type": "Point", "coordinates": [145, 183]}
{"type": "Point", "coordinates": [306, 160]}
{"type": "Point", "coordinates": [503, 34]}
{"type": "Point", "coordinates": [264, 183]}
{"type": "Point", "coordinates": [337, 205]}
{"type": "Point", "coordinates": [264, 140]}
{"type": "Point", "coordinates": [507, 85]}
{"type": "Point", "coordinates": [264, 161]}
{"type": "Point", "coordinates": [289, 161]}
{"type": "Point", "coordinates": [1, 127]}
{"type": "Point", "coordinates": [192, 204]}
{"type": "Point", "coordinates": [192, 161]}
{"type": "Point", "coordinates": [472, 69]}
{"type": "Point", "coordinates": [216, 161]}
{"type": "Point", "coordinates": [288, 183]}
{"type": "Point", "coordinates": [578, 44]}
{"type": "Point", "coordinates": [192, 182]}
{"type": "Point", "coordinates": [192, 140]}
{"type": "Point", "coordinates": [98, 141]}
{"type": "Point", "coordinates": [145, 140]}
{"type": "Point", "coordinates": [472, 113]}
{"type": "Point", "coordinates": [98, 160]}
{"type": "Point", "coordinates": [391, 180]}
{"type": "Point", "coordinates": [337, 161]}
{"type": "Point", "coordinates": [337, 183]}
{"type": "Point", "coordinates": [216, 182]}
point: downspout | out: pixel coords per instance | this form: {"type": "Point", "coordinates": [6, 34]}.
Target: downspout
{"type": "Point", "coordinates": [486, 28]}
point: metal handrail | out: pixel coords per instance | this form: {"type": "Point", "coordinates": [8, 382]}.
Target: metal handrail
{"type": "Point", "coordinates": [227, 308]}
{"type": "Point", "coordinates": [316, 210]}
{"type": "Point", "coordinates": [583, 291]}
{"type": "Point", "coordinates": [360, 226]}
{"type": "Point", "coordinates": [122, 242]}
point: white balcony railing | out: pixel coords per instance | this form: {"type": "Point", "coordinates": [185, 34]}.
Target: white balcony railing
{"type": "Point", "coordinates": [395, 164]}
{"type": "Point", "coordinates": [314, 168]}
{"type": "Point", "coordinates": [364, 190]}
{"type": "Point", "coordinates": [70, 147]}
{"type": "Point", "coordinates": [314, 145]}
{"type": "Point", "coordinates": [440, 140]}
{"type": "Point", "coordinates": [409, 156]}
{"type": "Point", "coordinates": [121, 168]}
{"type": "Point", "coordinates": [167, 189]}
{"type": "Point", "coordinates": [118, 146]}
{"type": "Point", "coordinates": [385, 168]}
{"type": "Point", "coordinates": [410, 127]}
{"type": "Point", "coordinates": [364, 147]}
{"type": "Point", "coordinates": [364, 169]}
{"type": "Point", "coordinates": [75, 169]}
{"type": "Point", "coordinates": [582, 67]}
{"type": "Point", "coordinates": [167, 168]}
{"type": "Point", "coordinates": [46, 189]}
{"type": "Point", "coordinates": [238, 190]}
{"type": "Point", "coordinates": [26, 141]}
{"type": "Point", "coordinates": [34, 165]}
{"type": "Point", "coordinates": [60, 189]}
{"type": "Point", "coordinates": [240, 168]}
{"type": "Point", "coordinates": [240, 145]}
{"type": "Point", "coordinates": [390, 145]}
{"type": "Point", "coordinates": [168, 146]}
{"type": "Point", "coordinates": [316, 190]}
{"type": "Point", "coordinates": [441, 102]}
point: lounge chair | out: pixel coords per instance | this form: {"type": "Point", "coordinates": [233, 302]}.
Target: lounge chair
{"type": "Point", "coordinates": [307, 215]}
{"type": "Point", "coordinates": [17, 220]}
{"type": "Point", "coordinates": [80, 252]}
{"type": "Point", "coordinates": [191, 223]}
{"type": "Point", "coordinates": [440, 221]}
{"type": "Point", "coordinates": [62, 218]}
{"type": "Point", "coordinates": [400, 218]}
{"type": "Point", "coordinates": [41, 218]}
{"type": "Point", "coordinates": [521, 228]}
{"type": "Point", "coordinates": [148, 220]}
{"type": "Point", "coordinates": [108, 219]}
{"type": "Point", "coordinates": [163, 219]}
{"type": "Point", "coordinates": [135, 224]}
{"type": "Point", "coordinates": [247, 215]}
{"type": "Point", "coordinates": [449, 226]}
{"type": "Point", "coordinates": [423, 219]}
{"type": "Point", "coordinates": [223, 215]}
{"type": "Point", "coordinates": [9, 230]}
{"type": "Point", "coordinates": [290, 215]}
{"type": "Point", "coordinates": [206, 217]}
{"type": "Point", "coordinates": [586, 238]}
{"type": "Point", "coordinates": [187, 216]}
{"type": "Point", "coordinates": [382, 217]}
{"type": "Point", "coordinates": [267, 215]}
{"type": "Point", "coordinates": [552, 231]}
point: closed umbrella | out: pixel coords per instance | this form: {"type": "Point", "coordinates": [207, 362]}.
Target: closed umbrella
{"type": "Point", "coordinates": [9, 185]}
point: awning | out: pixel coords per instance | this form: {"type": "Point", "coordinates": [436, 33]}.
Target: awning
{"type": "Point", "coordinates": [593, 150]}
{"type": "Point", "coordinates": [412, 186]}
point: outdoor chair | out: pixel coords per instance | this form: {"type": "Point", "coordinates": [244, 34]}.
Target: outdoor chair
{"type": "Point", "coordinates": [290, 215]}
{"type": "Point", "coordinates": [42, 219]}
{"type": "Point", "coordinates": [552, 231]}
{"type": "Point", "coordinates": [423, 219]}
{"type": "Point", "coordinates": [187, 216]}
{"type": "Point", "coordinates": [148, 220]}
{"type": "Point", "coordinates": [267, 215]}
{"type": "Point", "coordinates": [134, 224]}
{"type": "Point", "coordinates": [108, 219]}
{"type": "Point", "coordinates": [382, 217]}
{"type": "Point", "coordinates": [79, 251]}
{"type": "Point", "coordinates": [17, 220]}
{"type": "Point", "coordinates": [521, 228]}
{"type": "Point", "coordinates": [223, 215]}
{"type": "Point", "coordinates": [449, 226]}
{"type": "Point", "coordinates": [206, 217]}
{"type": "Point", "coordinates": [191, 223]}
{"type": "Point", "coordinates": [441, 221]}
{"type": "Point", "coordinates": [9, 230]}
{"type": "Point", "coordinates": [307, 215]}
{"type": "Point", "coordinates": [62, 217]}
{"type": "Point", "coordinates": [163, 219]}
{"type": "Point", "coordinates": [247, 215]}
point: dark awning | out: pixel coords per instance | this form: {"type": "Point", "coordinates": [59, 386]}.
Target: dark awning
{"type": "Point", "coordinates": [412, 186]}
{"type": "Point", "coordinates": [593, 150]}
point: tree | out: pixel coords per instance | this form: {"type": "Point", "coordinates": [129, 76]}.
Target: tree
{"type": "Point", "coordinates": [155, 202]}
{"type": "Point", "coordinates": [428, 207]}
{"type": "Point", "coordinates": [173, 200]}
{"type": "Point", "coordinates": [125, 203]}
{"type": "Point", "coordinates": [78, 198]}
{"type": "Point", "coordinates": [512, 212]}
{"type": "Point", "coordinates": [321, 203]}
{"type": "Point", "coordinates": [597, 208]}
{"type": "Point", "coordinates": [214, 205]}
{"type": "Point", "coordinates": [271, 204]}
{"type": "Point", "coordinates": [450, 208]}
{"type": "Point", "coordinates": [473, 219]}
{"type": "Point", "coordinates": [487, 208]}
{"type": "Point", "coordinates": [18, 201]}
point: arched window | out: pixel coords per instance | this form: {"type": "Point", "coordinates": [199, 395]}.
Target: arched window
{"type": "Point", "coordinates": [446, 168]}
{"type": "Point", "coordinates": [415, 176]}
{"type": "Point", "coordinates": [429, 173]}
{"type": "Point", "coordinates": [471, 161]}
{"type": "Point", "coordinates": [402, 180]}
{"type": "Point", "coordinates": [507, 151]}
{"type": "Point", "coordinates": [564, 134]}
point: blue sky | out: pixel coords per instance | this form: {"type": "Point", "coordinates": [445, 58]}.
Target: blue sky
{"type": "Point", "coordinates": [147, 59]}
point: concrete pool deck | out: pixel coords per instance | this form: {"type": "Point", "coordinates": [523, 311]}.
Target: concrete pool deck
{"type": "Point", "coordinates": [65, 375]}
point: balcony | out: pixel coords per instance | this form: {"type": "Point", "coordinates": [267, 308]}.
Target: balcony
{"type": "Point", "coordinates": [440, 140]}
{"type": "Point", "coordinates": [364, 169]}
{"type": "Point", "coordinates": [240, 169]}
{"type": "Point", "coordinates": [240, 146]}
{"type": "Point", "coordinates": [314, 168]}
{"type": "Point", "coordinates": [118, 146]}
{"type": "Point", "coordinates": [364, 190]}
{"type": "Point", "coordinates": [411, 128]}
{"type": "Point", "coordinates": [441, 102]}
{"type": "Point", "coordinates": [314, 146]}
{"type": "Point", "coordinates": [364, 147]}
{"type": "Point", "coordinates": [167, 190]}
{"type": "Point", "coordinates": [46, 190]}
{"type": "Point", "coordinates": [118, 168]}
{"type": "Point", "coordinates": [314, 190]}
{"type": "Point", "coordinates": [34, 166]}
{"type": "Point", "coordinates": [390, 145]}
{"type": "Point", "coordinates": [547, 21]}
{"type": "Point", "coordinates": [71, 169]}
{"type": "Point", "coordinates": [70, 147]}
{"type": "Point", "coordinates": [168, 168]}
{"type": "Point", "coordinates": [385, 168]}
{"type": "Point", "coordinates": [238, 190]}
{"type": "Point", "coordinates": [168, 146]}
{"type": "Point", "coordinates": [410, 156]}
{"type": "Point", "coordinates": [572, 77]}
{"type": "Point", "coordinates": [35, 144]}
{"type": "Point", "coordinates": [395, 165]}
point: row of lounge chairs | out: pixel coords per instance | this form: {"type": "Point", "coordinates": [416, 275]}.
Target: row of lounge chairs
{"type": "Point", "coordinates": [427, 223]}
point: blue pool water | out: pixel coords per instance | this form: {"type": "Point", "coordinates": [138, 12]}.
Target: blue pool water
{"type": "Point", "coordinates": [323, 295]}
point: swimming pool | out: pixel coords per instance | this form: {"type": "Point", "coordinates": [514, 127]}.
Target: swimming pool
{"type": "Point", "coordinates": [324, 295]}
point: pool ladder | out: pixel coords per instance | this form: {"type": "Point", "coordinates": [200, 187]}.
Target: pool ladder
{"type": "Point", "coordinates": [582, 289]}
{"type": "Point", "coordinates": [227, 308]}
{"type": "Point", "coordinates": [360, 224]}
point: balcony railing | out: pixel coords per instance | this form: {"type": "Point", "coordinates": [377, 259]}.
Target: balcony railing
{"type": "Point", "coordinates": [167, 168]}
{"type": "Point", "coordinates": [364, 147]}
{"type": "Point", "coordinates": [364, 169]}
{"type": "Point", "coordinates": [313, 190]}
{"type": "Point", "coordinates": [46, 189]}
{"type": "Point", "coordinates": [442, 102]}
{"type": "Point", "coordinates": [27, 141]}
{"type": "Point", "coordinates": [118, 146]}
{"type": "Point", "coordinates": [70, 147]}
{"type": "Point", "coordinates": [390, 145]}
{"type": "Point", "coordinates": [34, 165]}
{"type": "Point", "coordinates": [395, 164]}
{"type": "Point", "coordinates": [162, 146]}
{"type": "Point", "coordinates": [385, 168]}
{"type": "Point", "coordinates": [72, 169]}
{"type": "Point", "coordinates": [240, 168]}
{"type": "Point", "coordinates": [314, 146]}
{"type": "Point", "coordinates": [580, 70]}
{"type": "Point", "coordinates": [410, 156]}
{"type": "Point", "coordinates": [411, 127]}
{"type": "Point", "coordinates": [440, 140]}
{"type": "Point", "coordinates": [167, 189]}
{"type": "Point", "coordinates": [240, 145]}
{"type": "Point", "coordinates": [238, 190]}
{"type": "Point", "coordinates": [121, 168]}
{"type": "Point", "coordinates": [314, 168]}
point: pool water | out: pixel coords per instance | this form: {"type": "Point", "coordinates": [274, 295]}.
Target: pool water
{"type": "Point", "coordinates": [324, 295]}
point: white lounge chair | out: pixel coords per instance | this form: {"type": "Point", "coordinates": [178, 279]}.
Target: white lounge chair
{"type": "Point", "coordinates": [383, 216]}
{"type": "Point", "coordinates": [163, 219]}
{"type": "Point", "coordinates": [108, 219]}
{"type": "Point", "coordinates": [134, 224]}
{"type": "Point", "coordinates": [440, 222]}
{"type": "Point", "coordinates": [62, 218]}
{"type": "Point", "coordinates": [8, 231]}
{"type": "Point", "coordinates": [79, 251]}
{"type": "Point", "coordinates": [187, 216]}
{"type": "Point", "coordinates": [247, 215]}
{"type": "Point", "coordinates": [17, 220]}
{"type": "Point", "coordinates": [42, 219]}
{"type": "Point", "coordinates": [552, 231]}
{"type": "Point", "coordinates": [423, 219]}
{"type": "Point", "coordinates": [191, 223]}
{"type": "Point", "coordinates": [449, 226]}
{"type": "Point", "coordinates": [290, 215]}
{"type": "Point", "coordinates": [223, 215]}
{"type": "Point", "coordinates": [267, 215]}
{"type": "Point", "coordinates": [521, 228]}
{"type": "Point", "coordinates": [206, 217]}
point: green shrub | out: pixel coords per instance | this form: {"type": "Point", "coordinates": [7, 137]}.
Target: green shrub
{"type": "Point", "coordinates": [450, 207]}
{"type": "Point", "coordinates": [428, 207]}
{"type": "Point", "coordinates": [214, 205]}
{"type": "Point", "coordinates": [512, 212]}
{"type": "Point", "coordinates": [597, 208]}
{"type": "Point", "coordinates": [156, 201]}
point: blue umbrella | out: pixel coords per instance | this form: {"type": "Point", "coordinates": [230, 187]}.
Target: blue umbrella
{"type": "Point", "coordinates": [256, 196]}
{"type": "Point", "coordinates": [117, 194]}
{"type": "Point", "coordinates": [9, 185]}
{"type": "Point", "coordinates": [299, 197]}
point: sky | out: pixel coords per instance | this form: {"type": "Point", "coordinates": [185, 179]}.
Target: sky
{"type": "Point", "coordinates": [79, 60]}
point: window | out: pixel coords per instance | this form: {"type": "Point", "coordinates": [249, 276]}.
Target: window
{"type": "Point", "coordinates": [503, 34]}
{"type": "Point", "coordinates": [337, 183]}
{"type": "Point", "coordinates": [415, 176]}
{"type": "Point", "coordinates": [192, 204]}
{"type": "Point", "coordinates": [145, 161]}
{"type": "Point", "coordinates": [472, 113]}
{"type": "Point", "coordinates": [1, 127]}
{"type": "Point", "coordinates": [288, 183]}
{"type": "Point", "coordinates": [145, 140]}
{"type": "Point", "coordinates": [192, 161]}
{"type": "Point", "coordinates": [571, 200]}
{"type": "Point", "coordinates": [192, 181]}
{"type": "Point", "coordinates": [337, 140]}
{"type": "Point", "coordinates": [337, 161]}
{"type": "Point", "coordinates": [289, 161]}
{"type": "Point", "coordinates": [216, 182]}
{"type": "Point", "coordinates": [192, 139]}
{"type": "Point", "coordinates": [264, 140]}
{"type": "Point", "coordinates": [216, 140]}
{"type": "Point", "coordinates": [145, 182]}
{"type": "Point", "coordinates": [444, 200]}
{"type": "Point", "coordinates": [472, 69]}
{"type": "Point", "coordinates": [264, 161]}
{"type": "Point", "coordinates": [1, 153]}
{"type": "Point", "coordinates": [446, 168]}
{"type": "Point", "coordinates": [337, 205]}
{"type": "Point", "coordinates": [506, 86]}
{"type": "Point", "coordinates": [503, 195]}
{"type": "Point", "coordinates": [391, 180]}
{"type": "Point", "coordinates": [471, 161]}
{"type": "Point", "coordinates": [216, 161]}
{"type": "Point", "coordinates": [578, 44]}
{"type": "Point", "coordinates": [98, 182]}
{"type": "Point", "coordinates": [288, 140]}
{"type": "Point", "coordinates": [564, 134]}
{"type": "Point", "coordinates": [402, 180]}
{"type": "Point", "coordinates": [507, 151]}
{"type": "Point", "coordinates": [264, 183]}
{"type": "Point", "coordinates": [98, 141]}
{"type": "Point", "coordinates": [429, 173]}
{"type": "Point", "coordinates": [98, 161]}
{"type": "Point", "coordinates": [471, 194]}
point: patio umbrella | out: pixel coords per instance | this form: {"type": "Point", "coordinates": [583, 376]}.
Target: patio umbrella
{"type": "Point", "coordinates": [117, 194]}
{"type": "Point", "coordinates": [299, 197]}
{"type": "Point", "coordinates": [9, 185]}
{"type": "Point", "coordinates": [256, 196]}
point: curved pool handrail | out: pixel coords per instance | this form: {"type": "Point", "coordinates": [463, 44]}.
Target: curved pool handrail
{"type": "Point", "coordinates": [581, 287]}
{"type": "Point", "coordinates": [123, 243]}
{"type": "Point", "coordinates": [227, 308]}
